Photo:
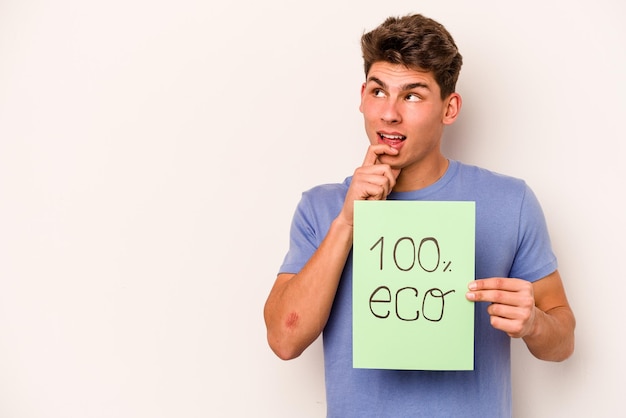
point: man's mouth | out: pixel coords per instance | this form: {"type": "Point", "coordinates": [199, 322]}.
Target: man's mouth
{"type": "Point", "coordinates": [392, 140]}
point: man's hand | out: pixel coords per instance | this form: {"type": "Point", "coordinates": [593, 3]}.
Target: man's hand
{"type": "Point", "coordinates": [512, 308]}
{"type": "Point", "coordinates": [371, 181]}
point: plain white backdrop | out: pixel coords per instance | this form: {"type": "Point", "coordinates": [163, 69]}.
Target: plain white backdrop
{"type": "Point", "coordinates": [152, 154]}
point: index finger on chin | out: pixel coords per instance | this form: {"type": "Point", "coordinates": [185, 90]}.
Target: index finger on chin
{"type": "Point", "coordinates": [374, 151]}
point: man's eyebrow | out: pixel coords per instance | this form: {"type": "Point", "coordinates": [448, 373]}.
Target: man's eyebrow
{"type": "Point", "coordinates": [377, 81]}
{"type": "Point", "coordinates": [412, 86]}
{"type": "Point", "coordinates": [405, 87]}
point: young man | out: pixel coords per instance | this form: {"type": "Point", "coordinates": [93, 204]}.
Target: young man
{"type": "Point", "coordinates": [411, 68]}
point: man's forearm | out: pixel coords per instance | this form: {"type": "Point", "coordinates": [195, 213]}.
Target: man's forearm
{"type": "Point", "coordinates": [297, 309]}
{"type": "Point", "coordinates": [552, 338]}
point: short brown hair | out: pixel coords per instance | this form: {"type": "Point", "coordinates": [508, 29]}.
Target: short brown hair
{"type": "Point", "coordinates": [417, 42]}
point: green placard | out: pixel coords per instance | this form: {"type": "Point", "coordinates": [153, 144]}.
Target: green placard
{"type": "Point", "coordinates": [413, 261]}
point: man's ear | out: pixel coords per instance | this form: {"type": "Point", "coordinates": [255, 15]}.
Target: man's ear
{"type": "Point", "coordinates": [362, 93]}
{"type": "Point", "coordinates": [452, 108]}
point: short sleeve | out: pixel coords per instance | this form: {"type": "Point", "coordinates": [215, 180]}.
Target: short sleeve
{"type": "Point", "coordinates": [534, 258]}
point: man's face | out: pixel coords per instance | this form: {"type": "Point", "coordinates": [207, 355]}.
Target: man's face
{"type": "Point", "coordinates": [403, 108]}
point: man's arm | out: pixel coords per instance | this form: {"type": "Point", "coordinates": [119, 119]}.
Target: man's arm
{"type": "Point", "coordinates": [552, 337]}
{"type": "Point", "coordinates": [538, 312]}
{"type": "Point", "coordinates": [298, 306]}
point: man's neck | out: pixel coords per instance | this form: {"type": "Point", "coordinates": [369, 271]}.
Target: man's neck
{"type": "Point", "coordinates": [421, 175]}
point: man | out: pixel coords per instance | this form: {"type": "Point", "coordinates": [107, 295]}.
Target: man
{"type": "Point", "coordinates": [411, 68]}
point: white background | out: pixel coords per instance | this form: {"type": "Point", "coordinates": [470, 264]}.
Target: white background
{"type": "Point", "coordinates": [152, 154]}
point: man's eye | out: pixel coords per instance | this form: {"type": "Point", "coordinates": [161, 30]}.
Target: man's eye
{"type": "Point", "coordinates": [413, 98]}
{"type": "Point", "coordinates": [378, 93]}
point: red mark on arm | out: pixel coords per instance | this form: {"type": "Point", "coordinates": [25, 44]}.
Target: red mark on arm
{"type": "Point", "coordinates": [292, 320]}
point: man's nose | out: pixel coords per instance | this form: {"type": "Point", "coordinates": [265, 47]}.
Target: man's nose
{"type": "Point", "coordinates": [390, 112]}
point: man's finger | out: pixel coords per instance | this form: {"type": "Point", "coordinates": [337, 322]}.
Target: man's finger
{"type": "Point", "coordinates": [374, 151]}
{"type": "Point", "coordinates": [497, 283]}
